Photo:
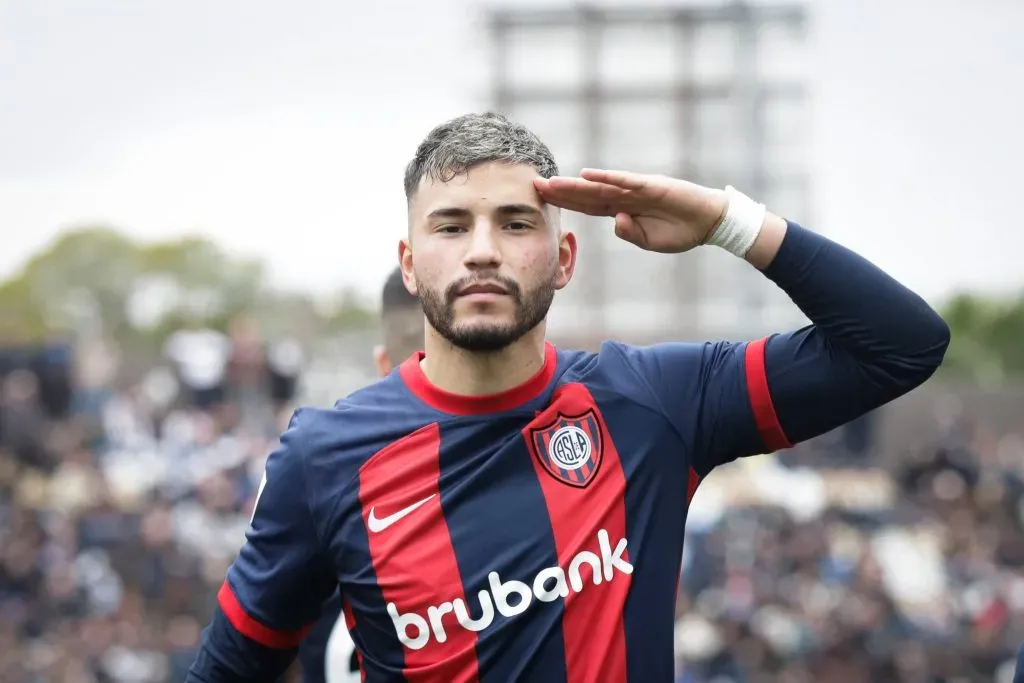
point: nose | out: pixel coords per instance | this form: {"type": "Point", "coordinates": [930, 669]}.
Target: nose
{"type": "Point", "coordinates": [483, 251]}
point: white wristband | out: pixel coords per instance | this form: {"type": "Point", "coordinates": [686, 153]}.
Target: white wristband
{"type": "Point", "coordinates": [741, 224]}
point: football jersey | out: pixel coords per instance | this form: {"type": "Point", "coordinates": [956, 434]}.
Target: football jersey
{"type": "Point", "coordinates": [534, 535]}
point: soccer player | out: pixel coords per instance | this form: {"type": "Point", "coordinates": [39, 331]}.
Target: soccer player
{"type": "Point", "coordinates": [502, 510]}
{"type": "Point", "coordinates": [327, 654]}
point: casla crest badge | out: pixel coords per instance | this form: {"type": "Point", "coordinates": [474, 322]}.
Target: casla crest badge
{"type": "Point", "coordinates": [569, 448]}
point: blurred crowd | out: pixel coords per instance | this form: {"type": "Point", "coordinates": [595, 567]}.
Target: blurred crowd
{"type": "Point", "coordinates": [909, 575]}
{"type": "Point", "coordinates": [121, 509]}
{"type": "Point", "coordinates": [122, 506]}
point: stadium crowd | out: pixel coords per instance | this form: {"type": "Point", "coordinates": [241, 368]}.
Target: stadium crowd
{"type": "Point", "coordinates": [121, 511]}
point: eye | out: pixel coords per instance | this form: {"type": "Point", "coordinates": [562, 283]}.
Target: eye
{"type": "Point", "coordinates": [450, 229]}
{"type": "Point", "coordinates": [518, 226]}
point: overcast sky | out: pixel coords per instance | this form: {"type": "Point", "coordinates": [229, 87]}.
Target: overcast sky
{"type": "Point", "coordinates": [281, 129]}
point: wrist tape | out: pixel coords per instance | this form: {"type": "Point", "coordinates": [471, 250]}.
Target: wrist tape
{"type": "Point", "coordinates": [741, 224]}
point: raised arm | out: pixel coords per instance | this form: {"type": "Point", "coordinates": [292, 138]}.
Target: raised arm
{"type": "Point", "coordinates": [871, 339]}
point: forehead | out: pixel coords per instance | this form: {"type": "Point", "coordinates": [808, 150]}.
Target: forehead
{"type": "Point", "coordinates": [482, 188]}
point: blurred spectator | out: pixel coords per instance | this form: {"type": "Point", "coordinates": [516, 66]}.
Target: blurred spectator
{"type": "Point", "coordinates": [23, 421]}
{"type": "Point", "coordinates": [200, 357]}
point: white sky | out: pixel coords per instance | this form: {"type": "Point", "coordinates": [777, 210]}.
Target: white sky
{"type": "Point", "coordinates": [281, 129]}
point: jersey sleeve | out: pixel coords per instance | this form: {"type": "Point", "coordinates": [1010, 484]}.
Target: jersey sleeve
{"type": "Point", "coordinates": [715, 395]}
{"type": "Point", "coordinates": [871, 341]}
{"type": "Point", "coordinates": [276, 587]}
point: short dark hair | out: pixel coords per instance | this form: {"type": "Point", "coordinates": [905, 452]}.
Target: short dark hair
{"type": "Point", "coordinates": [456, 146]}
{"type": "Point", "coordinates": [395, 296]}
{"type": "Point", "coordinates": [401, 317]}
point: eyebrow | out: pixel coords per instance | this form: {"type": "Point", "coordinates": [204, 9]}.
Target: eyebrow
{"type": "Point", "coordinates": [504, 209]}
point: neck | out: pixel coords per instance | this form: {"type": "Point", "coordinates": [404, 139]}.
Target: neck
{"type": "Point", "coordinates": [468, 373]}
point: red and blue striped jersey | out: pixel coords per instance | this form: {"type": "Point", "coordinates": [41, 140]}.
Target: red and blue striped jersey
{"type": "Point", "coordinates": [533, 535]}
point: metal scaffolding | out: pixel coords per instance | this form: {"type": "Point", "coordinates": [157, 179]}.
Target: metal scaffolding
{"type": "Point", "coordinates": [714, 94]}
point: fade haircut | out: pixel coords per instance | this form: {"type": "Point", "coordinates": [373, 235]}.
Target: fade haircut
{"type": "Point", "coordinates": [402, 318]}
{"type": "Point", "coordinates": [456, 146]}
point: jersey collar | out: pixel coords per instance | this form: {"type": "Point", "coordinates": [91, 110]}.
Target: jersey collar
{"type": "Point", "coordinates": [458, 404]}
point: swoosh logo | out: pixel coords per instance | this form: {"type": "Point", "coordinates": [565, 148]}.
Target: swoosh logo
{"type": "Point", "coordinates": [378, 524]}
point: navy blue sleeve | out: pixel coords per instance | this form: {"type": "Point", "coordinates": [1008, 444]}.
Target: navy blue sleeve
{"type": "Point", "coordinates": [276, 586]}
{"type": "Point", "coordinates": [871, 340]}
{"type": "Point", "coordinates": [1018, 674]}
{"type": "Point", "coordinates": [313, 651]}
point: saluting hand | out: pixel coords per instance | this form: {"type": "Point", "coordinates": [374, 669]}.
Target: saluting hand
{"type": "Point", "coordinates": [654, 212]}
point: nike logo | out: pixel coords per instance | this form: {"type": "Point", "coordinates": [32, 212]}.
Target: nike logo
{"type": "Point", "coordinates": [378, 524]}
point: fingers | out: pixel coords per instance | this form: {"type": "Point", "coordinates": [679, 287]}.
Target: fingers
{"type": "Point", "coordinates": [573, 196]}
{"type": "Point", "coordinates": [629, 230]}
{"type": "Point", "coordinates": [583, 189]}
{"type": "Point", "coordinates": [568, 205]}
{"type": "Point", "coordinates": [578, 194]}
{"type": "Point", "coordinates": [620, 179]}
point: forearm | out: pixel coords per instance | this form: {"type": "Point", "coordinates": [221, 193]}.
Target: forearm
{"type": "Point", "coordinates": [872, 339]}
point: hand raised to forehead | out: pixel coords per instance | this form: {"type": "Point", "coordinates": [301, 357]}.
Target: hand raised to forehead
{"type": "Point", "coordinates": [654, 212]}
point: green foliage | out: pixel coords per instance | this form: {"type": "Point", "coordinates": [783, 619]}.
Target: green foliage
{"type": "Point", "coordinates": [20, 319]}
{"type": "Point", "coordinates": [138, 293]}
{"type": "Point", "coordinates": [988, 337]}
{"type": "Point", "coordinates": [348, 311]}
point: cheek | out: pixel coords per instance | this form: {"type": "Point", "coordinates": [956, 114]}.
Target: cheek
{"type": "Point", "coordinates": [431, 266]}
{"type": "Point", "coordinates": [538, 262]}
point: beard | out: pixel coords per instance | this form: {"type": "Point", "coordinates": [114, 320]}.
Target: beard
{"type": "Point", "coordinates": [531, 307]}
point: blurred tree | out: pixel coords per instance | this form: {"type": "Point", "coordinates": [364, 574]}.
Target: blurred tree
{"type": "Point", "coordinates": [20, 320]}
{"type": "Point", "coordinates": [139, 293]}
{"type": "Point", "coordinates": [347, 310]}
{"type": "Point", "coordinates": [85, 272]}
{"type": "Point", "coordinates": [208, 281]}
{"type": "Point", "coordinates": [988, 336]}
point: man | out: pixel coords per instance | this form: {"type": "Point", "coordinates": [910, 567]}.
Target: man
{"type": "Point", "coordinates": [499, 510]}
{"type": "Point", "coordinates": [327, 654]}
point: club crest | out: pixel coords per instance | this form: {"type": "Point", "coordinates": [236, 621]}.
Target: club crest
{"type": "Point", "coordinates": [570, 448]}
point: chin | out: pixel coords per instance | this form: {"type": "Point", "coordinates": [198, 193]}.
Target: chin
{"type": "Point", "coordinates": [483, 338]}
{"type": "Point", "coordinates": [484, 322]}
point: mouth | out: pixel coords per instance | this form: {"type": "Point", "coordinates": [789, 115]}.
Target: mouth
{"type": "Point", "coordinates": [485, 289]}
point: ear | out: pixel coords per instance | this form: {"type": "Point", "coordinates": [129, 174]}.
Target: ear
{"type": "Point", "coordinates": [566, 259]}
{"type": "Point", "coordinates": [381, 360]}
{"type": "Point", "coordinates": [405, 262]}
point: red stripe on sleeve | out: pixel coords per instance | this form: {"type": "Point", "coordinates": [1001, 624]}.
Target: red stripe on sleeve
{"type": "Point", "coordinates": [252, 629]}
{"type": "Point", "coordinates": [350, 624]}
{"type": "Point", "coordinates": [691, 490]}
{"type": "Point", "coordinates": [691, 487]}
{"type": "Point", "coordinates": [592, 625]}
{"type": "Point", "coordinates": [414, 559]}
{"type": "Point", "coordinates": [761, 398]}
